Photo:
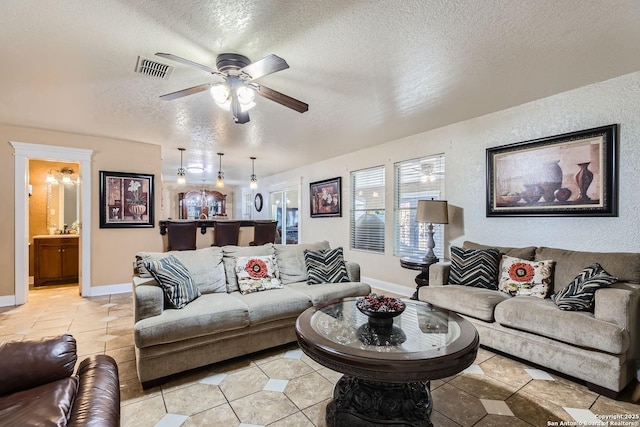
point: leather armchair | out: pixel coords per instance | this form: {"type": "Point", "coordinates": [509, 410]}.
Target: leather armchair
{"type": "Point", "coordinates": [37, 385]}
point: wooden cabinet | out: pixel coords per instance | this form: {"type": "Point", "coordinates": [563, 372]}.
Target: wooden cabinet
{"type": "Point", "coordinates": [56, 260]}
{"type": "Point", "coordinates": [202, 204]}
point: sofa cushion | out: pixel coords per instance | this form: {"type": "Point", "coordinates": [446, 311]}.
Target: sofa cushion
{"type": "Point", "coordinates": [205, 266]}
{"type": "Point", "coordinates": [175, 280]}
{"type": "Point", "coordinates": [207, 315]}
{"type": "Point", "coordinates": [274, 305]}
{"type": "Point", "coordinates": [527, 253]}
{"type": "Point", "coordinates": [229, 254]}
{"type": "Point", "coordinates": [290, 260]}
{"type": "Point", "coordinates": [474, 267]}
{"type": "Point", "coordinates": [624, 266]}
{"type": "Point", "coordinates": [521, 277]}
{"type": "Point", "coordinates": [327, 291]}
{"type": "Point", "coordinates": [474, 302]}
{"type": "Point", "coordinates": [256, 274]}
{"type": "Point", "coordinates": [325, 266]}
{"type": "Point", "coordinates": [580, 293]}
{"type": "Point", "coordinates": [542, 317]}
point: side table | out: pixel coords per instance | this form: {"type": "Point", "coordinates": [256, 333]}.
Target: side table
{"type": "Point", "coordinates": [416, 263]}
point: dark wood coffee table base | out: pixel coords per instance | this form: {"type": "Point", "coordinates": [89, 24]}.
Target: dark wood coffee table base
{"type": "Point", "coordinates": [362, 403]}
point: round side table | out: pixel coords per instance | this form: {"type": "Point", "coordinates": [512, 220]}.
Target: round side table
{"type": "Point", "coordinates": [416, 263]}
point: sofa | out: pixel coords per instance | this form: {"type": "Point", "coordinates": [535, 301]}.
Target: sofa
{"type": "Point", "coordinates": [38, 387]}
{"type": "Point", "coordinates": [600, 346]}
{"type": "Point", "coordinates": [223, 323]}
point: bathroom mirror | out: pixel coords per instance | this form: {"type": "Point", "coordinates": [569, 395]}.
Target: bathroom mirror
{"type": "Point", "coordinates": [62, 206]}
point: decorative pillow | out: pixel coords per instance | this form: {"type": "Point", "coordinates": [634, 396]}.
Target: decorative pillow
{"type": "Point", "coordinates": [174, 279]}
{"type": "Point", "coordinates": [257, 273]}
{"type": "Point", "coordinates": [525, 278]}
{"type": "Point", "coordinates": [579, 294]}
{"type": "Point", "coordinates": [474, 267]}
{"type": "Point", "coordinates": [325, 266]}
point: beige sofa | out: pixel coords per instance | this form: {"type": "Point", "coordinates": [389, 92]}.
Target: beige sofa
{"type": "Point", "coordinates": [601, 348]}
{"type": "Point", "coordinates": [223, 323]}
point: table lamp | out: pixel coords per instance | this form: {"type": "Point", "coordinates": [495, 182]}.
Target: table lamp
{"type": "Point", "coordinates": [432, 212]}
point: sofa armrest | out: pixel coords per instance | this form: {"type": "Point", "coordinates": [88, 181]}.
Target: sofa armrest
{"type": "Point", "coordinates": [27, 364]}
{"type": "Point", "coordinates": [97, 402]}
{"type": "Point", "coordinates": [353, 271]}
{"type": "Point", "coordinates": [620, 304]}
{"type": "Point", "coordinates": [148, 298]}
{"type": "Point", "coordinates": [439, 273]}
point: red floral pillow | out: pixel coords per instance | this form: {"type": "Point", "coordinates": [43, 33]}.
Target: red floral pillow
{"type": "Point", "coordinates": [528, 278]}
{"type": "Point", "coordinates": [258, 273]}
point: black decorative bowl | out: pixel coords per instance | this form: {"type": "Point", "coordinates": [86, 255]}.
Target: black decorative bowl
{"type": "Point", "coordinates": [382, 318]}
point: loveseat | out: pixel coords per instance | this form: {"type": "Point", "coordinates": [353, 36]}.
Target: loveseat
{"type": "Point", "coordinates": [38, 387]}
{"type": "Point", "coordinates": [600, 346]}
{"type": "Point", "coordinates": [223, 323]}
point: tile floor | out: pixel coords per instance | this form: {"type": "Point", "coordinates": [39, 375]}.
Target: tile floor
{"type": "Point", "coordinates": [283, 387]}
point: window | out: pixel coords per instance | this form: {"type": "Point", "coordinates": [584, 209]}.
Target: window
{"type": "Point", "coordinates": [367, 209]}
{"type": "Point", "coordinates": [416, 179]}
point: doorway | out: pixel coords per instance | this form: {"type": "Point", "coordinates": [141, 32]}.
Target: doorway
{"type": "Point", "coordinates": [23, 153]}
{"type": "Point", "coordinates": [284, 208]}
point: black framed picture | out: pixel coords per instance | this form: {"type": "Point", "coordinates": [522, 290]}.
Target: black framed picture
{"type": "Point", "coordinates": [126, 200]}
{"type": "Point", "coordinates": [326, 198]}
{"type": "Point", "coordinates": [573, 174]}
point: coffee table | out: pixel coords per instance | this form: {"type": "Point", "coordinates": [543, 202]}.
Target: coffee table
{"type": "Point", "coordinates": [387, 368]}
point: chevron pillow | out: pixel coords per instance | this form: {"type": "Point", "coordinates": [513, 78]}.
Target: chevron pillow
{"type": "Point", "coordinates": [174, 279]}
{"type": "Point", "coordinates": [325, 266]}
{"type": "Point", "coordinates": [580, 293]}
{"type": "Point", "coordinates": [474, 267]}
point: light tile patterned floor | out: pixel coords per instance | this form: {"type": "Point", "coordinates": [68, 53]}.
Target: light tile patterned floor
{"type": "Point", "coordinates": [283, 387]}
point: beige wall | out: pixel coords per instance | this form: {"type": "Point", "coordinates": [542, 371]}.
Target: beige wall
{"type": "Point", "coordinates": [112, 250]}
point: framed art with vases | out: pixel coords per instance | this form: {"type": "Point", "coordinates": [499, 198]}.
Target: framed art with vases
{"type": "Point", "coordinates": [326, 198]}
{"type": "Point", "coordinates": [126, 200]}
{"type": "Point", "coordinates": [573, 174]}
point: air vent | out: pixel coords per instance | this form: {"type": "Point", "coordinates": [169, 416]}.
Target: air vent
{"type": "Point", "coordinates": [153, 68]}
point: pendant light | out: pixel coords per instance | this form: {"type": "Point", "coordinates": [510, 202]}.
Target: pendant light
{"type": "Point", "coordinates": [220, 181]}
{"type": "Point", "coordinates": [182, 179]}
{"type": "Point", "coordinates": [254, 181]}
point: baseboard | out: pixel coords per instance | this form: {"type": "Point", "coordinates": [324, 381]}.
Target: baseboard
{"type": "Point", "coordinates": [122, 288]}
{"type": "Point", "coordinates": [8, 301]}
{"type": "Point", "coordinates": [388, 286]}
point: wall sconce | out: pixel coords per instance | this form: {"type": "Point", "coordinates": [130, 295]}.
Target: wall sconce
{"type": "Point", "coordinates": [254, 181]}
{"type": "Point", "coordinates": [220, 181]}
{"type": "Point", "coordinates": [64, 175]}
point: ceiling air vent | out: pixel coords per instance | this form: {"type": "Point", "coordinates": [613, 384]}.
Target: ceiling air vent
{"type": "Point", "coordinates": [153, 68]}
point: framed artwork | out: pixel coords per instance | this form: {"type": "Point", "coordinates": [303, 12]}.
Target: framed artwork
{"type": "Point", "coordinates": [574, 174]}
{"type": "Point", "coordinates": [126, 200]}
{"type": "Point", "coordinates": [326, 197]}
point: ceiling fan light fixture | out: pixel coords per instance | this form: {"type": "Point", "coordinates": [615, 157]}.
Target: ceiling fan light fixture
{"type": "Point", "coordinates": [246, 95]}
{"type": "Point", "coordinates": [220, 93]}
{"type": "Point", "coordinates": [220, 181]}
{"type": "Point", "coordinates": [253, 184]}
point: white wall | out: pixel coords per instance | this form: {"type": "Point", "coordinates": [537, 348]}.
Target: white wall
{"type": "Point", "coordinates": [464, 145]}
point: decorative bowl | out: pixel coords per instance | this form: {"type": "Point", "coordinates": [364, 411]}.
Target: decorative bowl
{"type": "Point", "coordinates": [380, 309]}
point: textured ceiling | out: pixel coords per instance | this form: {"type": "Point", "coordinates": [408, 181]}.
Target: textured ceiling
{"type": "Point", "coordinates": [371, 71]}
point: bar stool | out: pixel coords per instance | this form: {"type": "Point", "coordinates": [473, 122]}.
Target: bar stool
{"type": "Point", "coordinates": [226, 233]}
{"type": "Point", "coordinates": [264, 232]}
{"type": "Point", "coordinates": [182, 235]}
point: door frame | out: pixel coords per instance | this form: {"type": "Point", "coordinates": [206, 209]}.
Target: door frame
{"type": "Point", "coordinates": [23, 153]}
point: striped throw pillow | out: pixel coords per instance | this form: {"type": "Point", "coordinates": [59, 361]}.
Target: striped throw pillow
{"type": "Point", "coordinates": [325, 266]}
{"type": "Point", "coordinates": [474, 267]}
{"type": "Point", "coordinates": [174, 279]}
{"type": "Point", "coordinates": [580, 293]}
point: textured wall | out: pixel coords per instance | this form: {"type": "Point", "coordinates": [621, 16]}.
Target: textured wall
{"type": "Point", "coordinates": [464, 145]}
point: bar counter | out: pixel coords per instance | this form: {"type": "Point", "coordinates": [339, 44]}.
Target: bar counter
{"type": "Point", "coordinates": [203, 224]}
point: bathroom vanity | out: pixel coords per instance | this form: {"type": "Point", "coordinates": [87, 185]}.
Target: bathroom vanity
{"type": "Point", "coordinates": [56, 259]}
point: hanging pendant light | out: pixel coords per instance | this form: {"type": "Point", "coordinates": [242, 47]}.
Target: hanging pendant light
{"type": "Point", "coordinates": [254, 181]}
{"type": "Point", "coordinates": [220, 181]}
{"type": "Point", "coordinates": [182, 179]}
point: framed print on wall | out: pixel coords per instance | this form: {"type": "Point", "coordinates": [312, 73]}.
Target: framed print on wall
{"type": "Point", "coordinates": [326, 198]}
{"type": "Point", "coordinates": [574, 174]}
{"type": "Point", "coordinates": [126, 200]}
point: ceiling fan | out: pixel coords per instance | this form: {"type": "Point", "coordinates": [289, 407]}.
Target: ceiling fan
{"type": "Point", "coordinates": [238, 90]}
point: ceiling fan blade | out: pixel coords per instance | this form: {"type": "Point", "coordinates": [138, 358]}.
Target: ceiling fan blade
{"type": "Point", "coordinates": [190, 63]}
{"type": "Point", "coordinates": [185, 92]}
{"type": "Point", "coordinates": [282, 99]}
{"type": "Point", "coordinates": [267, 65]}
{"type": "Point", "coordinates": [239, 116]}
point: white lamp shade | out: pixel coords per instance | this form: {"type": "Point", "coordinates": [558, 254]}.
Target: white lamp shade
{"type": "Point", "coordinates": [220, 93]}
{"type": "Point", "coordinates": [432, 211]}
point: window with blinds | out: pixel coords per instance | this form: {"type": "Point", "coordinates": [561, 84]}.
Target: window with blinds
{"type": "Point", "coordinates": [416, 179]}
{"type": "Point", "coordinates": [367, 209]}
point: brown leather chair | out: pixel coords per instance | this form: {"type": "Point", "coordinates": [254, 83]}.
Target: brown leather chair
{"type": "Point", "coordinates": [182, 235]}
{"type": "Point", "coordinates": [264, 232]}
{"type": "Point", "coordinates": [226, 233]}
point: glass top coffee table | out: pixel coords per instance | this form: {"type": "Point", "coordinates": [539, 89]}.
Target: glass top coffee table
{"type": "Point", "coordinates": [387, 365]}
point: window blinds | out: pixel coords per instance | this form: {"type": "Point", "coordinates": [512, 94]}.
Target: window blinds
{"type": "Point", "coordinates": [367, 209]}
